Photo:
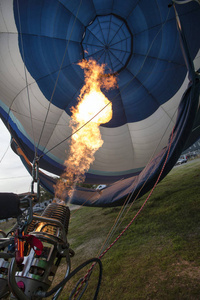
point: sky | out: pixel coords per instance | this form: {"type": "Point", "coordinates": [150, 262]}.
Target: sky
{"type": "Point", "coordinates": [13, 175]}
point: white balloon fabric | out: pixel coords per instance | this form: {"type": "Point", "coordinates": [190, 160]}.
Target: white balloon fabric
{"type": "Point", "coordinates": [41, 43]}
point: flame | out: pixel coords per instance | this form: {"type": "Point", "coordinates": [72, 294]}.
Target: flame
{"type": "Point", "coordinates": [38, 229]}
{"type": "Point", "coordinates": [92, 110]}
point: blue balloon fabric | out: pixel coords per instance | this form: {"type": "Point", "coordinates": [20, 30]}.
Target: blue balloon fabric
{"type": "Point", "coordinates": [42, 42]}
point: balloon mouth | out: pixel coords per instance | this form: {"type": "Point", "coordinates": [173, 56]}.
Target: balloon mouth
{"type": "Point", "coordinates": [108, 40]}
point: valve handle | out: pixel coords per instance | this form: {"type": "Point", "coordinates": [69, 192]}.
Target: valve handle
{"type": "Point", "coordinates": [19, 247]}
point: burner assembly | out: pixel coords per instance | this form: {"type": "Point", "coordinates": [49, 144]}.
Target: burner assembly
{"type": "Point", "coordinates": [37, 272]}
{"type": "Point", "coordinates": [44, 244]}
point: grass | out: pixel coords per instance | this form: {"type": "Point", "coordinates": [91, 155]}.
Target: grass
{"type": "Point", "coordinates": [158, 257]}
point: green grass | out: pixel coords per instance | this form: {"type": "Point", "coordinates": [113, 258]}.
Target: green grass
{"type": "Point", "coordinates": [159, 255]}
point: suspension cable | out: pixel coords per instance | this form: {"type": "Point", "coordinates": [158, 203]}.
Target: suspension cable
{"type": "Point", "coordinates": [25, 73]}
{"type": "Point", "coordinates": [75, 271]}
{"type": "Point", "coordinates": [117, 224]}
{"type": "Point", "coordinates": [5, 153]}
{"type": "Point", "coordinates": [130, 195]}
{"type": "Point", "coordinates": [52, 95]}
{"type": "Point", "coordinates": [149, 195]}
{"type": "Point", "coordinates": [133, 219]}
{"type": "Point", "coordinates": [26, 79]}
{"type": "Point", "coordinates": [130, 223]}
{"type": "Point", "coordinates": [35, 169]}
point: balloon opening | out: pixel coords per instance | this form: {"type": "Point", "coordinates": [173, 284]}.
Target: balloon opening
{"type": "Point", "coordinates": [113, 47]}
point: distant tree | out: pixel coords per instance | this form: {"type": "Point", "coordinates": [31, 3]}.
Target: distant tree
{"type": "Point", "coordinates": [45, 195]}
{"type": "Point", "coordinates": [86, 185]}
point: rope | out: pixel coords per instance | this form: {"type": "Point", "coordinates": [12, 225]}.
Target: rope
{"type": "Point", "coordinates": [65, 280]}
{"type": "Point", "coordinates": [139, 211]}
{"type": "Point", "coordinates": [112, 230]}
{"type": "Point", "coordinates": [116, 224]}
{"type": "Point", "coordinates": [29, 102]}
{"type": "Point", "coordinates": [18, 177]}
{"type": "Point", "coordinates": [25, 73]}
{"type": "Point", "coordinates": [4, 153]}
{"type": "Point", "coordinates": [133, 219]}
{"type": "Point", "coordinates": [58, 77]}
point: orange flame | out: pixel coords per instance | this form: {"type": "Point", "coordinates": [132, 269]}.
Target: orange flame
{"type": "Point", "coordinates": [92, 110]}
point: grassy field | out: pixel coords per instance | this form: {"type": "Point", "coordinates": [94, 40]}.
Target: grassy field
{"type": "Point", "coordinates": [158, 257]}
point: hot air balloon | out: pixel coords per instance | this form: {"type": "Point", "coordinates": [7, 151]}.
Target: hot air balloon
{"type": "Point", "coordinates": [151, 48]}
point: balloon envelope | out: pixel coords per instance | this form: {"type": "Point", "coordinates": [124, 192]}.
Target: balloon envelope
{"type": "Point", "coordinates": [41, 44]}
